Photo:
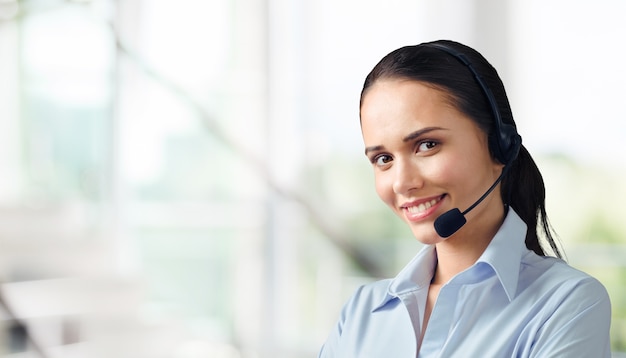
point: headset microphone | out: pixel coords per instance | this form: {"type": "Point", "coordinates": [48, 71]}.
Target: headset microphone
{"type": "Point", "coordinates": [505, 146]}
{"type": "Point", "coordinates": [452, 220]}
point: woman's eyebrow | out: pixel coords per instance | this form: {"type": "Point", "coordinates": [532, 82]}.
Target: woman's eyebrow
{"type": "Point", "coordinates": [374, 148]}
{"type": "Point", "coordinates": [418, 133]}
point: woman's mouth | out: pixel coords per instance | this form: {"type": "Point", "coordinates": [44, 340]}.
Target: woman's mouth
{"type": "Point", "coordinates": [419, 211]}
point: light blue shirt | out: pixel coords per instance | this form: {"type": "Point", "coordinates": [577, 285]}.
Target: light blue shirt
{"type": "Point", "coordinates": [510, 303]}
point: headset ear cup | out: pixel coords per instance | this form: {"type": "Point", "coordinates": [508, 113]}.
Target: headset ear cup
{"type": "Point", "coordinates": [515, 147]}
{"type": "Point", "coordinates": [509, 143]}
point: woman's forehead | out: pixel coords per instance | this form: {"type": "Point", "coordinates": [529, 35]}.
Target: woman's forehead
{"type": "Point", "coordinates": [393, 100]}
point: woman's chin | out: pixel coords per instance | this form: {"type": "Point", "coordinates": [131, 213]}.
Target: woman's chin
{"type": "Point", "coordinates": [426, 235]}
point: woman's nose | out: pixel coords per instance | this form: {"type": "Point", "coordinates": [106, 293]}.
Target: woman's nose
{"type": "Point", "coordinates": [407, 177]}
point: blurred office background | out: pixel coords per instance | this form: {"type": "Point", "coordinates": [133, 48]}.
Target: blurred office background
{"type": "Point", "coordinates": [186, 178]}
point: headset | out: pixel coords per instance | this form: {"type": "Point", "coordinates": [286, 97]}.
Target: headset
{"type": "Point", "coordinates": [506, 142]}
{"type": "Point", "coordinates": [505, 147]}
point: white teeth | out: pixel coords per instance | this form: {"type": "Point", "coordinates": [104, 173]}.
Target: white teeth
{"type": "Point", "coordinates": [422, 207]}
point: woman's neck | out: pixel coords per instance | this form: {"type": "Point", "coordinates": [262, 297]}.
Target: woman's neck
{"type": "Point", "coordinates": [463, 249]}
{"type": "Point", "coordinates": [452, 260]}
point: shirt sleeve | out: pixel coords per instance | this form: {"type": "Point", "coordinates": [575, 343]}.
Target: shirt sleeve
{"type": "Point", "coordinates": [579, 326]}
{"type": "Point", "coordinates": [330, 348]}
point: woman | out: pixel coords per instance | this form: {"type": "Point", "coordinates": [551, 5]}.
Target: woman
{"type": "Point", "coordinates": [440, 135]}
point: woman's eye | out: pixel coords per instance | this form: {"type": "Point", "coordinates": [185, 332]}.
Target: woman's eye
{"type": "Point", "coordinates": [426, 145]}
{"type": "Point", "coordinates": [382, 160]}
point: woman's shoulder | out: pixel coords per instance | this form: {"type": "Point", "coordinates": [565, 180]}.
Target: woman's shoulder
{"type": "Point", "coordinates": [554, 266]}
{"type": "Point", "coordinates": [565, 302]}
{"type": "Point", "coordinates": [561, 278]}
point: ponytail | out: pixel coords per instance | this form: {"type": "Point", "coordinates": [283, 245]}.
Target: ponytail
{"type": "Point", "coordinates": [524, 188]}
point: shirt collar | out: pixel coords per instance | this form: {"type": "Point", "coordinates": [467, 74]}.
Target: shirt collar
{"type": "Point", "coordinates": [503, 254]}
{"type": "Point", "coordinates": [415, 275]}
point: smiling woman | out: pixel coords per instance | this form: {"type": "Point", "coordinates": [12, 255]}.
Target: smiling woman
{"type": "Point", "coordinates": [439, 139]}
{"type": "Point", "coordinates": [430, 149]}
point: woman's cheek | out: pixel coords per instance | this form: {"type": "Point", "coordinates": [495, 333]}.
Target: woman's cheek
{"type": "Point", "coordinates": [444, 172]}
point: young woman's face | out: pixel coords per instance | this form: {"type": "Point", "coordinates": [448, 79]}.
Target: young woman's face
{"type": "Point", "coordinates": [427, 157]}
